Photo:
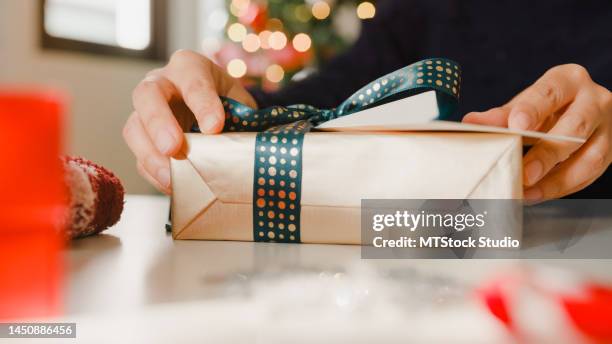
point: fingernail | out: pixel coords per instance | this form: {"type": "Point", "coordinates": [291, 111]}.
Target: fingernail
{"type": "Point", "coordinates": [164, 141]}
{"type": "Point", "coordinates": [209, 124]}
{"type": "Point", "coordinates": [533, 172]}
{"type": "Point", "coordinates": [520, 120]}
{"type": "Point", "coordinates": [533, 194]}
{"type": "Point", "coordinates": [163, 176]}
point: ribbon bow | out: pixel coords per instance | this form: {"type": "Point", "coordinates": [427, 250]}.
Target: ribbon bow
{"type": "Point", "coordinates": [281, 130]}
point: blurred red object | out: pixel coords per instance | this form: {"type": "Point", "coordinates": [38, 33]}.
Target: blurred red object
{"type": "Point", "coordinates": [256, 16]}
{"type": "Point", "coordinates": [31, 203]}
{"type": "Point", "coordinates": [592, 313]}
{"type": "Point", "coordinates": [550, 305]}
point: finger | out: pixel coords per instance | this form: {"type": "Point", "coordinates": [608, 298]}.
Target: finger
{"type": "Point", "coordinates": [579, 171]}
{"type": "Point", "coordinates": [191, 74]}
{"type": "Point", "coordinates": [203, 100]}
{"type": "Point", "coordinates": [580, 120]}
{"type": "Point", "coordinates": [150, 99]}
{"type": "Point", "coordinates": [240, 94]}
{"type": "Point", "coordinates": [143, 172]}
{"type": "Point", "coordinates": [496, 117]}
{"type": "Point", "coordinates": [156, 165]}
{"type": "Point", "coordinates": [556, 88]}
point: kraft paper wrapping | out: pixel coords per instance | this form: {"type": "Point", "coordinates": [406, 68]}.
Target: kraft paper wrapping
{"type": "Point", "coordinates": [213, 184]}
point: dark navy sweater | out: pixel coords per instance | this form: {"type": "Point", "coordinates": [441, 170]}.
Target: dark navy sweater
{"type": "Point", "coordinates": [503, 46]}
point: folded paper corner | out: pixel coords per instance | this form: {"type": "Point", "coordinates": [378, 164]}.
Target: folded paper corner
{"type": "Point", "coordinates": [503, 169]}
{"type": "Point", "coordinates": [190, 195]}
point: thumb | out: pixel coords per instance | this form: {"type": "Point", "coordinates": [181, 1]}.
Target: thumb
{"type": "Point", "coordinates": [497, 117]}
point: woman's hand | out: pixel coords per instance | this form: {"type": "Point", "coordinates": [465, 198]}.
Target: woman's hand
{"type": "Point", "coordinates": [169, 101]}
{"type": "Point", "coordinates": [564, 101]}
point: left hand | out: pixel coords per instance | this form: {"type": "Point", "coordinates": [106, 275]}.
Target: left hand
{"type": "Point", "coordinates": [564, 101]}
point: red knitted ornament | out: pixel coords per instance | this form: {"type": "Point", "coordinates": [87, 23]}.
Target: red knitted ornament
{"type": "Point", "coordinates": [95, 197]}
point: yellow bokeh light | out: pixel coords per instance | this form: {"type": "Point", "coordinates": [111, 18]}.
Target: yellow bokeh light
{"type": "Point", "coordinates": [251, 43]}
{"type": "Point", "coordinates": [321, 10]}
{"type": "Point", "coordinates": [366, 10]}
{"type": "Point", "coordinates": [275, 73]}
{"type": "Point", "coordinates": [237, 68]}
{"type": "Point", "coordinates": [264, 38]}
{"type": "Point", "coordinates": [236, 32]}
{"type": "Point", "coordinates": [277, 40]}
{"type": "Point", "coordinates": [302, 42]}
{"type": "Point", "coordinates": [239, 7]}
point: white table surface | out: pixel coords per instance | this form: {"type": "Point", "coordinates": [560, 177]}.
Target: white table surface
{"type": "Point", "coordinates": [135, 284]}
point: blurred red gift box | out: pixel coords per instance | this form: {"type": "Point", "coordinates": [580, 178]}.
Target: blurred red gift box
{"type": "Point", "coordinates": [31, 203]}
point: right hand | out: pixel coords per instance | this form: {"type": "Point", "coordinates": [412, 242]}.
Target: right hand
{"type": "Point", "coordinates": [168, 101]}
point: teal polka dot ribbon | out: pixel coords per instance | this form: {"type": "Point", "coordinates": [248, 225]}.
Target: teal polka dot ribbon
{"type": "Point", "coordinates": [281, 129]}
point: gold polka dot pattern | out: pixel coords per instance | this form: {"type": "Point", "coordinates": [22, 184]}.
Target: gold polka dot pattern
{"type": "Point", "coordinates": [276, 215]}
{"type": "Point", "coordinates": [437, 74]}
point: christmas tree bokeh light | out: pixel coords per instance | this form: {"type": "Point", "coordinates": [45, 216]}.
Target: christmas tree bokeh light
{"type": "Point", "coordinates": [269, 42]}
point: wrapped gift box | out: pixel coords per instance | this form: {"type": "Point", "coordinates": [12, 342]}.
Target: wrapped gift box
{"type": "Point", "coordinates": [387, 141]}
{"type": "Point", "coordinates": [213, 186]}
